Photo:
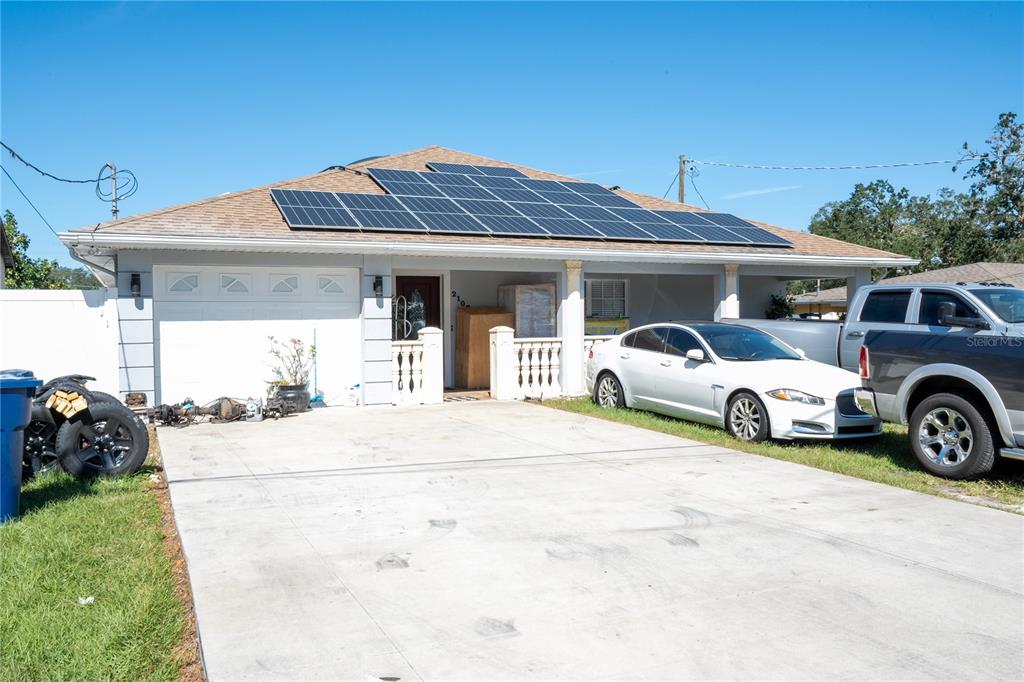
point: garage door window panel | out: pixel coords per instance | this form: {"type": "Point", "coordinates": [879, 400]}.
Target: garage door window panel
{"type": "Point", "coordinates": [284, 284]}
{"type": "Point", "coordinates": [180, 283]}
{"type": "Point", "coordinates": [235, 284]}
{"type": "Point", "coordinates": [329, 286]}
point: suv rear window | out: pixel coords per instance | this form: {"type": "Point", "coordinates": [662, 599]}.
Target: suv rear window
{"type": "Point", "coordinates": [885, 306]}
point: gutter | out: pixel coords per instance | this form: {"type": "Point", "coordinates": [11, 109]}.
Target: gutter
{"type": "Point", "coordinates": [97, 270]}
{"type": "Point", "coordinates": [142, 242]}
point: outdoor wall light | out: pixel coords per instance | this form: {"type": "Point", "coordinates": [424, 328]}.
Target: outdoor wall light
{"type": "Point", "coordinates": [136, 285]}
{"type": "Point", "coordinates": [378, 285]}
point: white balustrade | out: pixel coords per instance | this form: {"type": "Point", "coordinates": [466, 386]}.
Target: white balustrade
{"type": "Point", "coordinates": [417, 370]}
{"type": "Point", "coordinates": [536, 367]}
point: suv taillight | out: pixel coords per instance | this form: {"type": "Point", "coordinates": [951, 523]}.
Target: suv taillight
{"type": "Point", "coordinates": [864, 373]}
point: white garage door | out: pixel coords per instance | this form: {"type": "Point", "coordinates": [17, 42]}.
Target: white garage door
{"type": "Point", "coordinates": [213, 324]}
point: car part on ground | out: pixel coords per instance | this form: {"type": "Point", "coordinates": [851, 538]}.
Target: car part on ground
{"type": "Point", "coordinates": [221, 410]}
{"type": "Point", "coordinates": [84, 432]}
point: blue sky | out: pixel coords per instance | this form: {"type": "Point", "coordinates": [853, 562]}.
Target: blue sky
{"type": "Point", "coordinates": [199, 99]}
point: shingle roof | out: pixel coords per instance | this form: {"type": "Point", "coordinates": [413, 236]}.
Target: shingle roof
{"type": "Point", "coordinates": [1010, 273]}
{"type": "Point", "coordinates": [252, 213]}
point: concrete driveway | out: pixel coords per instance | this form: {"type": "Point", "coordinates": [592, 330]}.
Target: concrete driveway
{"type": "Point", "coordinates": [506, 540]}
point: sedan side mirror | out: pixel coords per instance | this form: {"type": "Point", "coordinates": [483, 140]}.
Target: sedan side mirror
{"type": "Point", "coordinates": [695, 354]}
{"type": "Point", "coordinates": [800, 352]}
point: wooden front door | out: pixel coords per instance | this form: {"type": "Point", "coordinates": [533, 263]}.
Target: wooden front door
{"type": "Point", "coordinates": [417, 304]}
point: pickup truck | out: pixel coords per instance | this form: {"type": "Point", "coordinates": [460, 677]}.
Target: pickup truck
{"type": "Point", "coordinates": [992, 310]}
{"type": "Point", "coordinates": [962, 393]}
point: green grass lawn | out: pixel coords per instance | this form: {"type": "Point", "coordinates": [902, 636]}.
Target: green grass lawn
{"type": "Point", "coordinates": [886, 459]}
{"type": "Point", "coordinates": [103, 539]}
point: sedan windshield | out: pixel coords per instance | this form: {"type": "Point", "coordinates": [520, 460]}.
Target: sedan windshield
{"type": "Point", "coordinates": [744, 344]}
{"type": "Point", "coordinates": [1008, 304]}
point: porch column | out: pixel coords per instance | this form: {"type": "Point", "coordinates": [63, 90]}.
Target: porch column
{"type": "Point", "coordinates": [861, 277]}
{"type": "Point", "coordinates": [570, 327]}
{"type": "Point", "coordinates": [376, 315]}
{"type": "Point", "coordinates": [728, 292]}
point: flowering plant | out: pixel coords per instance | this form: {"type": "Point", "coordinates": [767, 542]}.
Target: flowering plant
{"type": "Point", "coordinates": [294, 361]}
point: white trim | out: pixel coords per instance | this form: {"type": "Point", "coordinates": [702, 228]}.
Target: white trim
{"type": "Point", "coordinates": [496, 250]}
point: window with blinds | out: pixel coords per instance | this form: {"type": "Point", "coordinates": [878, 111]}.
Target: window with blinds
{"type": "Point", "coordinates": [606, 299]}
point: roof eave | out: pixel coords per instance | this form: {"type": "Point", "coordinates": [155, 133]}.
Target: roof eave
{"type": "Point", "coordinates": [461, 250]}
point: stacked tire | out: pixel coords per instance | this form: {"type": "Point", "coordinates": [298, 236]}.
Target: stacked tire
{"type": "Point", "coordinates": [106, 439]}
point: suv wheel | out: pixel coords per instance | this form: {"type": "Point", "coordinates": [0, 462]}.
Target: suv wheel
{"type": "Point", "coordinates": [951, 438]}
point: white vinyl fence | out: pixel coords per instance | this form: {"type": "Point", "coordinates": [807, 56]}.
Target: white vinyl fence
{"type": "Point", "coordinates": [55, 332]}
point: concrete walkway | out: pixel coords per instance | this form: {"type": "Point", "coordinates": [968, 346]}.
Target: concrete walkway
{"type": "Point", "coordinates": [511, 541]}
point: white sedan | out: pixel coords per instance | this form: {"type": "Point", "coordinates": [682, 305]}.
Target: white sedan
{"type": "Point", "coordinates": [728, 375]}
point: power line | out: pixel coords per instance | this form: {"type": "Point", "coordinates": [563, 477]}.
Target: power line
{"type": "Point", "coordinates": [693, 181]}
{"type": "Point", "coordinates": [121, 187]}
{"type": "Point", "coordinates": [47, 222]}
{"type": "Point", "coordinates": [671, 185]}
{"type": "Point", "coordinates": [39, 170]}
{"type": "Point", "coordinates": [903, 164]}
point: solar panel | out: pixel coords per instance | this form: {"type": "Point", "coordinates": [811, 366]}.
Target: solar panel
{"type": "Point", "coordinates": [516, 195]}
{"type": "Point", "coordinates": [464, 198]}
{"type": "Point", "coordinates": [726, 220]}
{"type": "Point", "coordinates": [460, 192]}
{"type": "Point", "coordinates": [587, 187]}
{"type": "Point", "coordinates": [614, 229]}
{"type": "Point", "coordinates": [683, 218]}
{"type": "Point", "coordinates": [670, 232]}
{"type": "Point", "coordinates": [449, 179]}
{"type": "Point", "coordinates": [591, 213]}
{"type": "Point", "coordinates": [478, 208]}
{"type": "Point", "coordinates": [382, 220]}
{"type": "Point", "coordinates": [541, 211]}
{"type": "Point", "coordinates": [414, 189]}
{"type": "Point", "coordinates": [451, 222]}
{"type": "Point", "coordinates": [467, 169]}
{"type": "Point", "coordinates": [501, 171]}
{"type": "Point", "coordinates": [488, 181]}
{"type": "Point", "coordinates": [514, 225]}
{"type": "Point", "coordinates": [395, 175]}
{"type": "Point", "coordinates": [373, 202]}
{"type": "Point", "coordinates": [566, 198]}
{"type": "Point", "coordinates": [610, 200]}
{"type": "Point", "coordinates": [760, 237]}
{"type": "Point", "coordinates": [567, 227]}
{"type": "Point", "coordinates": [545, 185]}
{"type": "Point", "coordinates": [431, 205]}
{"type": "Point", "coordinates": [713, 233]}
{"type": "Point", "coordinates": [638, 215]}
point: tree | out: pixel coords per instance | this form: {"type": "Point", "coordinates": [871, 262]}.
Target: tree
{"type": "Point", "coordinates": [997, 191]}
{"type": "Point", "coordinates": [74, 278]}
{"type": "Point", "coordinates": [27, 273]}
{"type": "Point", "coordinates": [940, 232]}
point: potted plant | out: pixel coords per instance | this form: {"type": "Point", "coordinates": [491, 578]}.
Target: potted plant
{"type": "Point", "coordinates": [291, 374]}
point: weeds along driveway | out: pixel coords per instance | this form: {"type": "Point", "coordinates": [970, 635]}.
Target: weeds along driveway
{"type": "Point", "coordinates": [507, 540]}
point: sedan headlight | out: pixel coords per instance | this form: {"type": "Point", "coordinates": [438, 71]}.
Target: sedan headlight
{"type": "Point", "coordinates": [791, 395]}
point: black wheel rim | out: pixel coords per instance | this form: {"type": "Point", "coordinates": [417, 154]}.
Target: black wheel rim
{"type": "Point", "coordinates": [103, 445]}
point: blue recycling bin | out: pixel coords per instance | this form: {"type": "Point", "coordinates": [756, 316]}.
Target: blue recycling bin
{"type": "Point", "coordinates": [17, 386]}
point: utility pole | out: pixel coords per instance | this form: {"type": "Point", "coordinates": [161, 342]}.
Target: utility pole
{"type": "Point", "coordinates": [113, 189]}
{"type": "Point", "coordinates": [682, 178]}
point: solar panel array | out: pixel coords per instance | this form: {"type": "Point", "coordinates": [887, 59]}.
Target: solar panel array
{"type": "Point", "coordinates": [490, 200]}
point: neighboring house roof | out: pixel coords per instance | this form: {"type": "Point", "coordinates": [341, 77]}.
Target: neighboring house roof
{"type": "Point", "coordinates": [5, 250]}
{"type": "Point", "coordinates": [1010, 273]}
{"type": "Point", "coordinates": [251, 215]}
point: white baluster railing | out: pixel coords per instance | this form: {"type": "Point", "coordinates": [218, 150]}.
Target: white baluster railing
{"type": "Point", "coordinates": [535, 367]}
{"type": "Point", "coordinates": [417, 369]}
